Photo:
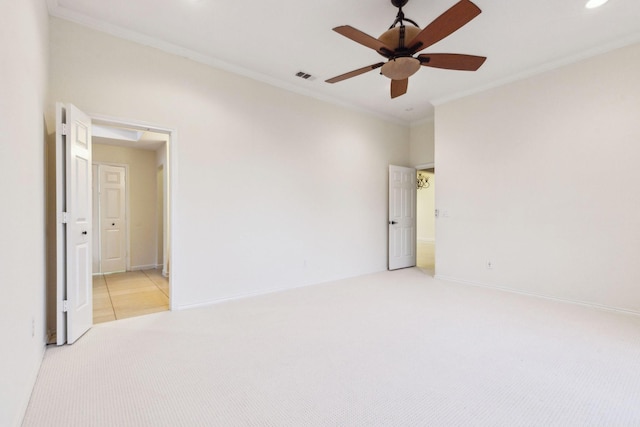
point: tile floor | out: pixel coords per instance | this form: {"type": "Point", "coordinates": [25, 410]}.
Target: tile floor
{"type": "Point", "coordinates": [130, 294]}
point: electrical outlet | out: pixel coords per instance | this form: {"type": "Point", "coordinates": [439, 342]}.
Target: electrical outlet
{"type": "Point", "coordinates": [33, 327]}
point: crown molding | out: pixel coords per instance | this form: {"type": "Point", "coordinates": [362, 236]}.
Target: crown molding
{"type": "Point", "coordinates": [429, 119]}
{"type": "Point", "coordinates": [551, 65]}
{"type": "Point", "coordinates": [60, 12]}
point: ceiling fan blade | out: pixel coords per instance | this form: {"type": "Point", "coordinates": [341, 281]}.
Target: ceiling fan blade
{"type": "Point", "coordinates": [354, 73]}
{"type": "Point", "coordinates": [452, 61]}
{"type": "Point", "coordinates": [399, 87]}
{"type": "Point", "coordinates": [364, 39]}
{"type": "Point", "coordinates": [444, 25]}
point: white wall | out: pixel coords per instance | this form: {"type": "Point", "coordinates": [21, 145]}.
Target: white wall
{"type": "Point", "coordinates": [271, 189]}
{"type": "Point", "coordinates": [23, 49]}
{"type": "Point", "coordinates": [142, 199]}
{"type": "Point", "coordinates": [421, 142]}
{"type": "Point", "coordinates": [540, 177]}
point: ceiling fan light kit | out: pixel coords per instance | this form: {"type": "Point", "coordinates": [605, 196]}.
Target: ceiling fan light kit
{"type": "Point", "coordinates": [400, 43]}
{"type": "Point", "coordinates": [592, 4]}
{"type": "Point", "coordinates": [400, 68]}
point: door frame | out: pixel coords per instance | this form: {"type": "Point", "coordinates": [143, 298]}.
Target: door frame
{"type": "Point", "coordinates": [126, 213]}
{"type": "Point", "coordinates": [419, 168]}
{"type": "Point", "coordinates": [425, 166]}
{"type": "Point", "coordinates": [171, 172]}
{"type": "Point", "coordinates": [161, 209]}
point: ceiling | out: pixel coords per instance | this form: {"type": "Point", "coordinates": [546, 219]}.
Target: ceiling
{"type": "Point", "coordinates": [272, 40]}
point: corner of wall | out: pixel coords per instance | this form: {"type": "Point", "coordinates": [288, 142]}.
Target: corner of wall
{"type": "Point", "coordinates": [422, 142]}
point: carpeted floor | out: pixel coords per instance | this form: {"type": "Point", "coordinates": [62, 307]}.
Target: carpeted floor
{"type": "Point", "coordinates": [390, 349]}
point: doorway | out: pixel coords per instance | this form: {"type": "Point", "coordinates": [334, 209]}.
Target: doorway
{"type": "Point", "coordinates": [70, 289]}
{"type": "Point", "coordinates": [130, 275]}
{"type": "Point", "coordinates": [425, 229]}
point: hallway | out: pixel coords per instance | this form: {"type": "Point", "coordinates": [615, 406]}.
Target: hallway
{"type": "Point", "coordinates": [426, 256]}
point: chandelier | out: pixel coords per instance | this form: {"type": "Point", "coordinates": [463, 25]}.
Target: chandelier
{"type": "Point", "coordinates": [423, 181]}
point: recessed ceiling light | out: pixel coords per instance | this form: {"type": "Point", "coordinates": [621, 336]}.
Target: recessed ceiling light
{"type": "Point", "coordinates": [592, 4]}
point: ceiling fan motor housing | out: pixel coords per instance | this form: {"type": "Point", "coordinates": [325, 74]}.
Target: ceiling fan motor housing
{"type": "Point", "coordinates": [399, 3]}
{"type": "Point", "coordinates": [391, 37]}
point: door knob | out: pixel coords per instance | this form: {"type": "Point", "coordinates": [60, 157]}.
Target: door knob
{"type": "Point", "coordinates": [392, 222]}
{"type": "Point", "coordinates": [113, 224]}
{"type": "Point", "coordinates": [84, 232]}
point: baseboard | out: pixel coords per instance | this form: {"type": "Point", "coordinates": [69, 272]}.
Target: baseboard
{"type": "Point", "coordinates": [536, 295]}
{"type": "Point", "coordinates": [143, 267]}
{"type": "Point", "coordinates": [138, 268]}
{"type": "Point", "coordinates": [260, 293]}
{"type": "Point", "coordinates": [237, 297]}
{"type": "Point", "coordinates": [426, 240]}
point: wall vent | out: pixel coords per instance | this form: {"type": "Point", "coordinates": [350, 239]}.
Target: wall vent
{"type": "Point", "coordinates": [305, 76]}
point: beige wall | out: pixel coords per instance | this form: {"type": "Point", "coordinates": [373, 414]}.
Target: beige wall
{"type": "Point", "coordinates": [539, 176]}
{"type": "Point", "coordinates": [142, 199]}
{"type": "Point", "coordinates": [269, 189]}
{"type": "Point", "coordinates": [422, 142]}
{"type": "Point", "coordinates": [23, 86]}
{"type": "Point", "coordinates": [425, 202]}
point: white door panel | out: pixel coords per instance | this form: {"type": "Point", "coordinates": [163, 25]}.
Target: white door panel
{"type": "Point", "coordinates": [79, 284]}
{"type": "Point", "coordinates": [112, 244]}
{"type": "Point", "coordinates": [112, 218]}
{"type": "Point", "coordinates": [402, 217]}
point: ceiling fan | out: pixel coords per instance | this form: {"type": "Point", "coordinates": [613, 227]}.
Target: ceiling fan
{"type": "Point", "coordinates": [400, 43]}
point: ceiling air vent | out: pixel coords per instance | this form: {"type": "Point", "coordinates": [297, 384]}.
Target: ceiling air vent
{"type": "Point", "coordinates": [305, 76]}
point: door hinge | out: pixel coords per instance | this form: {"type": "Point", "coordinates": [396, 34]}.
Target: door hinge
{"type": "Point", "coordinates": [64, 217]}
{"type": "Point", "coordinates": [65, 306]}
{"type": "Point", "coordinates": [64, 129]}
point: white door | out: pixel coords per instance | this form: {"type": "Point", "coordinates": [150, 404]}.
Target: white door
{"type": "Point", "coordinates": [112, 189]}
{"type": "Point", "coordinates": [73, 139]}
{"type": "Point", "coordinates": [402, 217]}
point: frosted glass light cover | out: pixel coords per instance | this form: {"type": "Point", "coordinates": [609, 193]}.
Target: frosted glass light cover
{"type": "Point", "coordinates": [592, 4]}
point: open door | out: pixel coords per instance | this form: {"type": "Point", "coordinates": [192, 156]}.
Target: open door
{"type": "Point", "coordinates": [73, 204]}
{"type": "Point", "coordinates": [402, 217]}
